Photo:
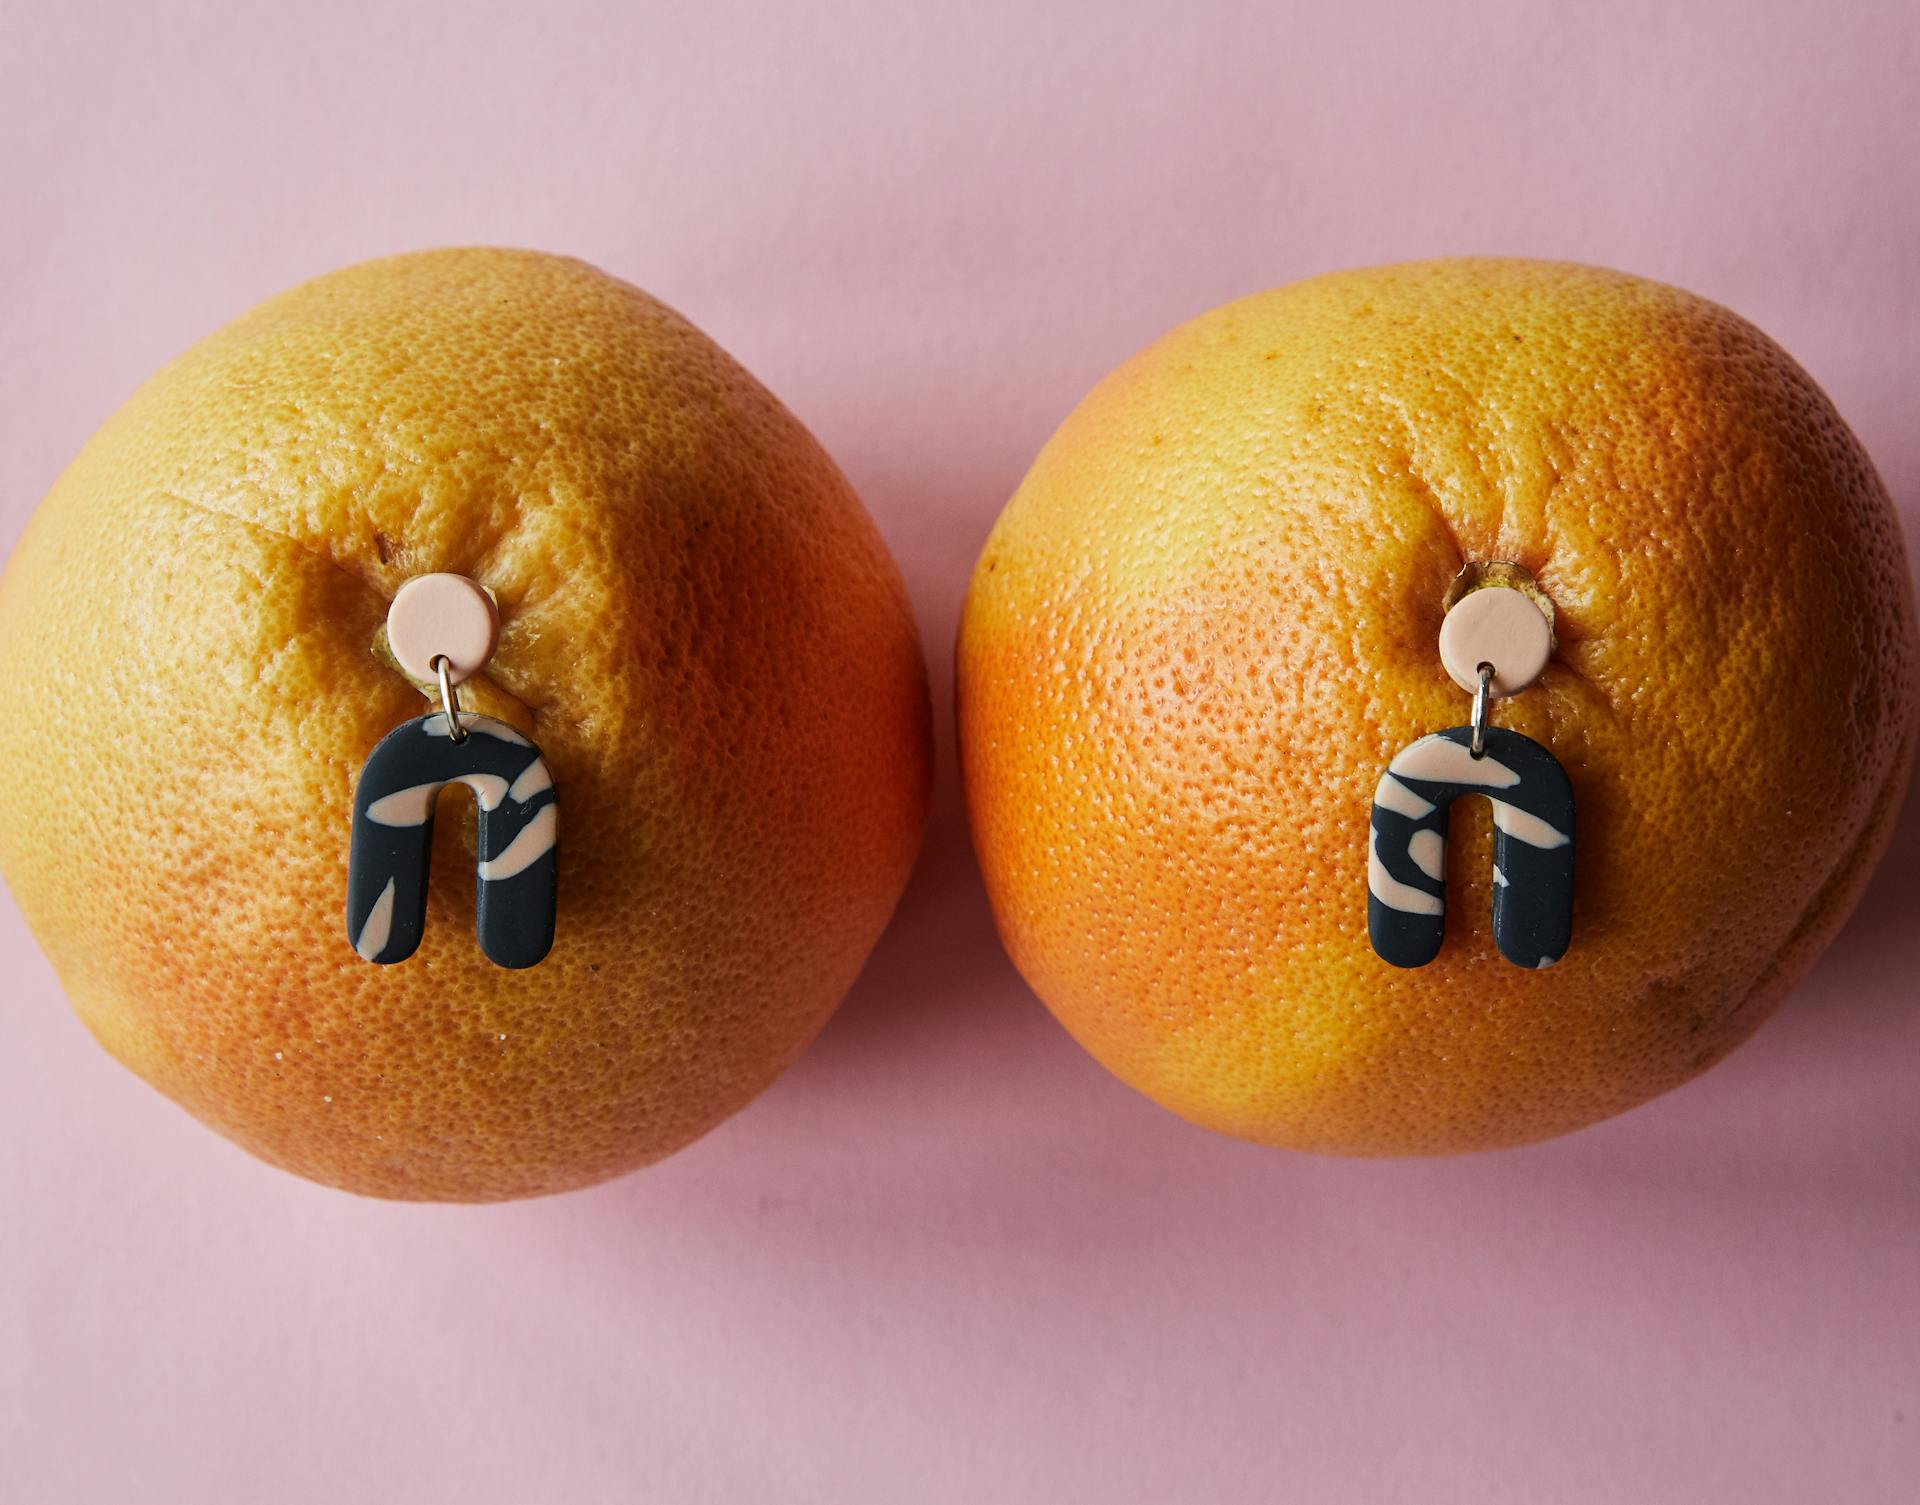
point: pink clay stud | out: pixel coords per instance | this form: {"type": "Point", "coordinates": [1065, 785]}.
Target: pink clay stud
{"type": "Point", "coordinates": [442, 616]}
{"type": "Point", "coordinates": [1496, 625]}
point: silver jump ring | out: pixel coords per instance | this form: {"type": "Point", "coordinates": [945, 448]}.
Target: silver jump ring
{"type": "Point", "coordinates": [1482, 709]}
{"type": "Point", "coordinates": [449, 702]}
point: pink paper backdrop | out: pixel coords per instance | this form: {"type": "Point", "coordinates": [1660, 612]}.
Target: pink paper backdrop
{"type": "Point", "coordinates": [947, 1259]}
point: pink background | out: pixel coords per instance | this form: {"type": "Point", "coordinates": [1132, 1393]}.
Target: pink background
{"type": "Point", "coordinates": [947, 1259]}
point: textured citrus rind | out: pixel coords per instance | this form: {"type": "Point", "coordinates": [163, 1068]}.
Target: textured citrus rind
{"type": "Point", "coordinates": [1209, 617]}
{"type": "Point", "coordinates": [701, 628]}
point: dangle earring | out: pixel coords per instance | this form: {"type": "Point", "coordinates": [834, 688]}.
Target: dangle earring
{"type": "Point", "coordinates": [1495, 640]}
{"type": "Point", "coordinates": [442, 629]}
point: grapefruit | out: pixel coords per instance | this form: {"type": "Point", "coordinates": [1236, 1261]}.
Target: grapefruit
{"type": "Point", "coordinates": [699, 626]}
{"type": "Point", "coordinates": [1210, 616]}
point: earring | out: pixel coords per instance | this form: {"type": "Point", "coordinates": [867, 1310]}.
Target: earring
{"type": "Point", "coordinates": [443, 629]}
{"type": "Point", "coordinates": [1495, 640]}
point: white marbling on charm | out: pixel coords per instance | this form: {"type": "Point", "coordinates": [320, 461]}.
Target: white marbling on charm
{"type": "Point", "coordinates": [374, 934]}
{"type": "Point", "coordinates": [534, 840]}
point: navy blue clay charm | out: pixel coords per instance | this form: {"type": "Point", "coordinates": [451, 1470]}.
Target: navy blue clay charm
{"type": "Point", "coordinates": [443, 627]}
{"type": "Point", "coordinates": [1496, 640]}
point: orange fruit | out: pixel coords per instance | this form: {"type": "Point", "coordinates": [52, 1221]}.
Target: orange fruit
{"type": "Point", "coordinates": [700, 627]}
{"type": "Point", "coordinates": [1210, 616]}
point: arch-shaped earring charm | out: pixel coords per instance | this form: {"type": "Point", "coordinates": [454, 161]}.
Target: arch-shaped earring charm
{"type": "Point", "coordinates": [514, 887]}
{"type": "Point", "coordinates": [1532, 846]}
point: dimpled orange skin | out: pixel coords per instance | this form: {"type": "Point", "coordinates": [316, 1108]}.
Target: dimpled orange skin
{"type": "Point", "coordinates": [701, 628]}
{"type": "Point", "coordinates": [1211, 614]}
